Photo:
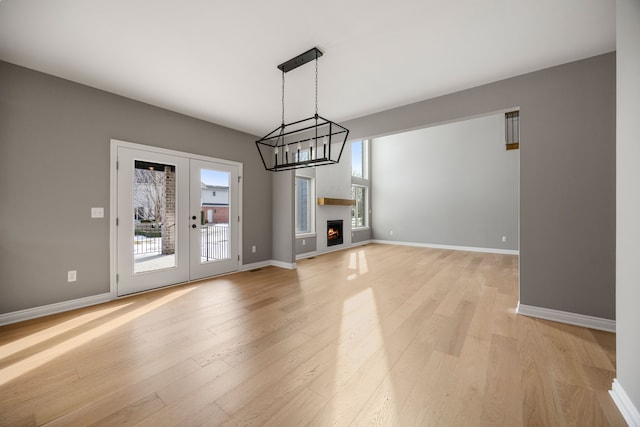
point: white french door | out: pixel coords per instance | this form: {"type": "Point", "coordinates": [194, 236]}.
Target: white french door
{"type": "Point", "coordinates": [177, 217]}
{"type": "Point", "coordinates": [214, 214]}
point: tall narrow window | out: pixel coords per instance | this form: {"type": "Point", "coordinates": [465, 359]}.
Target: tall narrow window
{"type": "Point", "coordinates": [512, 130]}
{"type": "Point", "coordinates": [358, 212]}
{"type": "Point", "coordinates": [304, 205]}
{"type": "Point", "coordinates": [359, 159]}
{"type": "Point", "coordinates": [360, 183]}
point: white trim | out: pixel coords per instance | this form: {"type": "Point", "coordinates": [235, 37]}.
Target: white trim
{"type": "Point", "coordinates": [450, 247]}
{"type": "Point", "coordinates": [58, 307]}
{"type": "Point", "coordinates": [306, 255]}
{"type": "Point", "coordinates": [268, 263]}
{"type": "Point", "coordinates": [337, 248]}
{"type": "Point", "coordinates": [282, 264]}
{"type": "Point", "coordinates": [255, 265]}
{"type": "Point", "coordinates": [591, 322]}
{"type": "Point", "coordinates": [154, 149]}
{"type": "Point", "coordinates": [306, 235]}
{"type": "Point", "coordinates": [113, 216]}
{"type": "Point", "coordinates": [365, 228]}
{"type": "Point", "coordinates": [624, 404]}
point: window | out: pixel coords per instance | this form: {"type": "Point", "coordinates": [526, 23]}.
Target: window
{"type": "Point", "coordinates": [358, 212]}
{"type": "Point", "coordinates": [512, 130]}
{"type": "Point", "coordinates": [360, 184]}
{"type": "Point", "coordinates": [359, 159]}
{"type": "Point", "coordinates": [304, 205]}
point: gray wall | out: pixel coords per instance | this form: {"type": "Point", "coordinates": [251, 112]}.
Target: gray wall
{"type": "Point", "coordinates": [283, 244]}
{"type": "Point", "coordinates": [454, 184]}
{"type": "Point", "coordinates": [567, 175]}
{"type": "Point", "coordinates": [306, 244]}
{"type": "Point", "coordinates": [628, 209]}
{"type": "Point", "coordinates": [54, 166]}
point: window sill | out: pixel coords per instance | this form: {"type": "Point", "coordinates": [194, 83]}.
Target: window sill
{"type": "Point", "coordinates": [305, 235]}
{"type": "Point", "coordinates": [360, 229]}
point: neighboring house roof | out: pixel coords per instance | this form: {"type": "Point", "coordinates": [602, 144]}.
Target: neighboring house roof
{"type": "Point", "coordinates": [204, 186]}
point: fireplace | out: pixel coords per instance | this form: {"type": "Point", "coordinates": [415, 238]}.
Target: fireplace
{"type": "Point", "coordinates": [334, 232]}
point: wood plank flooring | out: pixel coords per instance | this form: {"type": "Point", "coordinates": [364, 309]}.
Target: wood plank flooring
{"type": "Point", "coordinates": [376, 335]}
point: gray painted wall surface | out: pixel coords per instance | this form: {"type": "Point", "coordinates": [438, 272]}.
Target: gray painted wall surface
{"type": "Point", "coordinates": [283, 244]}
{"type": "Point", "coordinates": [54, 166]}
{"type": "Point", "coordinates": [454, 184]}
{"type": "Point", "coordinates": [567, 175]}
{"type": "Point", "coordinates": [358, 236]}
{"type": "Point", "coordinates": [306, 244]}
{"type": "Point", "coordinates": [628, 200]}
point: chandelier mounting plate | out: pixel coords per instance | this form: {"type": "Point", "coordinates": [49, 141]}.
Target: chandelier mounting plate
{"type": "Point", "coordinates": [310, 55]}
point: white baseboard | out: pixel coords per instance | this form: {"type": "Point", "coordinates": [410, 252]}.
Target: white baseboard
{"type": "Point", "coordinates": [361, 243]}
{"type": "Point", "coordinates": [255, 265]}
{"type": "Point", "coordinates": [624, 404]}
{"type": "Point", "coordinates": [306, 255]}
{"type": "Point", "coordinates": [450, 247]}
{"type": "Point", "coordinates": [282, 264]}
{"type": "Point", "coordinates": [591, 322]}
{"type": "Point", "coordinates": [269, 263]}
{"type": "Point", "coordinates": [59, 307]}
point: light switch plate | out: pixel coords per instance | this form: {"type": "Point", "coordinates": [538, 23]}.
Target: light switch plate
{"type": "Point", "coordinates": [97, 212]}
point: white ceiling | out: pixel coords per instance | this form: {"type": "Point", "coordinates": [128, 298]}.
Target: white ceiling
{"type": "Point", "coordinates": [216, 60]}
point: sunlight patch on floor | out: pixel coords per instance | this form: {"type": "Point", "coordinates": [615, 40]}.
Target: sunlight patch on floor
{"type": "Point", "coordinates": [46, 334]}
{"type": "Point", "coordinates": [354, 352]}
{"type": "Point", "coordinates": [358, 261]}
{"type": "Point", "coordinates": [24, 366]}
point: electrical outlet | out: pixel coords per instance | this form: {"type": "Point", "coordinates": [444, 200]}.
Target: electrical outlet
{"type": "Point", "coordinates": [253, 249]}
{"type": "Point", "coordinates": [390, 232]}
{"type": "Point", "coordinates": [504, 239]}
{"type": "Point", "coordinates": [304, 242]}
{"type": "Point", "coordinates": [72, 276]}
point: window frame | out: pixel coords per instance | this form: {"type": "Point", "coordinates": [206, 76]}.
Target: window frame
{"type": "Point", "coordinates": [311, 216]}
{"type": "Point", "coordinates": [362, 182]}
{"type": "Point", "coordinates": [354, 208]}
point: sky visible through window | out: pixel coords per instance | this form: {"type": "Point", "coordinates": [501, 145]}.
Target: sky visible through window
{"type": "Point", "coordinates": [356, 158]}
{"type": "Point", "coordinates": [213, 177]}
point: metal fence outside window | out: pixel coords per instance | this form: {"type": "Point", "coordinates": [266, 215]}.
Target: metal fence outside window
{"type": "Point", "coordinates": [214, 240]}
{"type": "Point", "coordinates": [147, 238]}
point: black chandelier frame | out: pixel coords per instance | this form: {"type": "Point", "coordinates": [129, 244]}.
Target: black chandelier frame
{"type": "Point", "coordinates": [310, 142]}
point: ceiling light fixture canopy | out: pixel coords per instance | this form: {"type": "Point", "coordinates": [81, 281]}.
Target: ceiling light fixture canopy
{"type": "Point", "coordinates": [314, 141]}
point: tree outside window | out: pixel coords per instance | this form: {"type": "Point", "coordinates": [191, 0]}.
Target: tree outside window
{"type": "Point", "coordinates": [358, 212]}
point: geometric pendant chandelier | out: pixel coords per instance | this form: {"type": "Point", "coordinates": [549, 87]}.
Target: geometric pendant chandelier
{"type": "Point", "coordinates": [314, 141]}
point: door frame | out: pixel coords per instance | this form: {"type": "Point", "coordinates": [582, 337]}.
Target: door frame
{"type": "Point", "coordinates": [113, 200]}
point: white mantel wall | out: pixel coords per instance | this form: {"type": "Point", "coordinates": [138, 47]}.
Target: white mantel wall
{"type": "Point", "coordinates": [334, 181]}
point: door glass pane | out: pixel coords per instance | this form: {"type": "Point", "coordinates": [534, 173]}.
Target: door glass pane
{"type": "Point", "coordinates": [154, 216]}
{"type": "Point", "coordinates": [214, 216]}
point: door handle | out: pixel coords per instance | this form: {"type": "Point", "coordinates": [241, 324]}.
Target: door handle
{"type": "Point", "coordinates": [193, 217]}
{"type": "Point", "coordinates": [194, 226]}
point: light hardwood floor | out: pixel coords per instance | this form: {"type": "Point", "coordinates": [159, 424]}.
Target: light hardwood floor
{"type": "Point", "coordinates": [374, 335]}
